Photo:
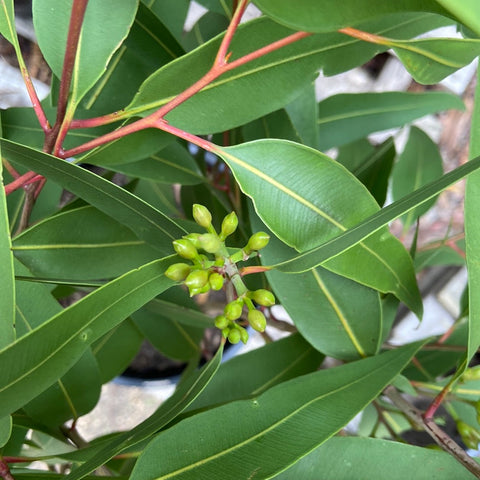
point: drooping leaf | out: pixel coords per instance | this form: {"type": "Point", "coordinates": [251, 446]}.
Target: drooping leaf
{"type": "Point", "coordinates": [304, 409]}
{"type": "Point", "coordinates": [419, 163]}
{"type": "Point", "coordinates": [95, 49]}
{"type": "Point", "coordinates": [344, 458]}
{"type": "Point", "coordinates": [315, 205]}
{"type": "Point", "coordinates": [347, 117]}
{"type": "Point", "coordinates": [340, 318]}
{"type": "Point", "coordinates": [146, 222]}
{"type": "Point", "coordinates": [240, 377]}
{"type": "Point", "coordinates": [466, 12]}
{"type": "Point", "coordinates": [81, 244]}
{"type": "Point", "coordinates": [39, 358]}
{"type": "Point", "coordinates": [7, 290]}
{"type": "Point", "coordinates": [472, 234]}
{"type": "Point", "coordinates": [318, 255]}
{"type": "Point", "coordinates": [325, 16]}
{"type": "Point", "coordinates": [185, 394]}
{"type": "Point", "coordinates": [286, 72]}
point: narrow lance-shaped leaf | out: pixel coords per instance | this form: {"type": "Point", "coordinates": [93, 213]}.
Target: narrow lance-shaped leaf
{"type": "Point", "coordinates": [305, 409]}
{"type": "Point", "coordinates": [145, 221]}
{"type": "Point", "coordinates": [39, 358]}
{"type": "Point", "coordinates": [95, 48]}
{"type": "Point", "coordinates": [330, 249]}
{"type": "Point", "coordinates": [325, 16]}
{"type": "Point", "coordinates": [184, 395]}
{"type": "Point", "coordinates": [7, 20]}
{"type": "Point", "coordinates": [347, 117]}
{"type": "Point", "coordinates": [472, 235]}
{"type": "Point", "coordinates": [315, 195]}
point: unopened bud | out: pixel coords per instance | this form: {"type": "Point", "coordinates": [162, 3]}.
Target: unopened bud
{"type": "Point", "coordinates": [202, 216]}
{"type": "Point", "coordinates": [196, 279]}
{"type": "Point", "coordinates": [470, 435]}
{"type": "Point", "coordinates": [234, 336]}
{"type": "Point", "coordinates": [185, 248]}
{"type": "Point", "coordinates": [210, 242]}
{"type": "Point", "coordinates": [216, 281]}
{"type": "Point", "coordinates": [257, 320]}
{"type": "Point", "coordinates": [177, 272]}
{"type": "Point", "coordinates": [221, 322]}
{"type": "Point", "coordinates": [257, 241]}
{"type": "Point", "coordinates": [263, 297]}
{"type": "Point", "coordinates": [229, 225]}
{"type": "Point", "coordinates": [233, 310]}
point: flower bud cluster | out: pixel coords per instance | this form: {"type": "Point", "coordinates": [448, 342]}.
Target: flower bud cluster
{"type": "Point", "coordinates": [205, 273]}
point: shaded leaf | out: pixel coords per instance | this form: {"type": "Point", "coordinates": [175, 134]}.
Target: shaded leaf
{"type": "Point", "coordinates": [273, 125]}
{"type": "Point", "coordinates": [81, 244]}
{"type": "Point", "coordinates": [172, 12]}
{"type": "Point", "coordinates": [146, 222]}
{"type": "Point", "coordinates": [39, 358]}
{"type": "Point", "coordinates": [419, 163]}
{"type": "Point", "coordinates": [316, 206]}
{"type": "Point", "coordinates": [344, 458]}
{"type": "Point", "coordinates": [185, 393]}
{"type": "Point", "coordinates": [305, 409]}
{"type": "Point", "coordinates": [466, 11]}
{"type": "Point", "coordinates": [350, 116]}
{"type": "Point", "coordinates": [318, 255]}
{"type": "Point", "coordinates": [5, 429]}
{"type": "Point", "coordinates": [95, 49]}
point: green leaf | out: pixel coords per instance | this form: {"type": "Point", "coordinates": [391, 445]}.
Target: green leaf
{"type": "Point", "coordinates": [7, 21]}
{"type": "Point", "coordinates": [5, 429]}
{"type": "Point", "coordinates": [324, 15]}
{"type": "Point", "coordinates": [350, 323]}
{"type": "Point", "coordinates": [39, 358]}
{"type": "Point", "coordinates": [345, 458]}
{"type": "Point", "coordinates": [116, 349]}
{"type": "Point", "coordinates": [319, 255]}
{"type": "Point", "coordinates": [274, 125]}
{"type": "Point", "coordinates": [465, 11]}
{"type": "Point", "coordinates": [442, 255]}
{"type": "Point", "coordinates": [246, 93]}
{"type": "Point", "coordinates": [430, 60]}
{"type": "Point", "coordinates": [7, 290]}
{"type": "Point", "coordinates": [240, 377]}
{"type": "Point", "coordinates": [316, 203]}
{"type": "Point", "coordinates": [472, 234]}
{"type": "Point", "coordinates": [172, 12]}
{"type": "Point", "coordinates": [305, 409]}
{"type": "Point", "coordinates": [351, 116]}
{"type": "Point", "coordinates": [419, 163]}
{"type": "Point", "coordinates": [185, 394]}
{"type": "Point", "coordinates": [95, 49]}
{"type": "Point", "coordinates": [81, 244]}
{"type": "Point", "coordinates": [146, 222]}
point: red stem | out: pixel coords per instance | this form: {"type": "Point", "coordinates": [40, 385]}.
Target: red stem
{"type": "Point", "coordinates": [437, 401]}
{"type": "Point", "coordinates": [37, 106]}
{"type": "Point", "coordinates": [5, 471]}
{"type": "Point", "coordinates": [365, 36]}
{"type": "Point", "coordinates": [19, 182]}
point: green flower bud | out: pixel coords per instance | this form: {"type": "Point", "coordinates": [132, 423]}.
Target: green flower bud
{"type": "Point", "coordinates": [221, 322]}
{"type": "Point", "coordinates": [185, 248]}
{"type": "Point", "coordinates": [198, 291]}
{"type": "Point", "coordinates": [469, 435]}
{"type": "Point", "coordinates": [193, 237]}
{"type": "Point", "coordinates": [229, 225]}
{"type": "Point", "coordinates": [210, 242]}
{"type": "Point", "coordinates": [216, 281]}
{"type": "Point", "coordinates": [225, 332]}
{"type": "Point", "coordinates": [243, 335]}
{"type": "Point", "coordinates": [233, 310]}
{"type": "Point", "coordinates": [263, 297]}
{"type": "Point", "coordinates": [471, 374]}
{"type": "Point", "coordinates": [202, 216]}
{"type": "Point", "coordinates": [177, 272]}
{"type": "Point", "coordinates": [257, 241]}
{"type": "Point", "coordinates": [234, 336]}
{"type": "Point", "coordinates": [197, 279]}
{"type": "Point", "coordinates": [257, 320]}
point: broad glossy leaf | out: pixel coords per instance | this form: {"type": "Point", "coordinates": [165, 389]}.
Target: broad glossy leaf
{"type": "Point", "coordinates": [466, 11]}
{"type": "Point", "coordinates": [274, 125]}
{"type": "Point", "coordinates": [344, 458]}
{"type": "Point", "coordinates": [286, 72]}
{"type": "Point", "coordinates": [173, 13]}
{"type": "Point", "coordinates": [371, 165]}
{"type": "Point", "coordinates": [305, 409]}
{"type": "Point", "coordinates": [319, 255]}
{"type": "Point", "coordinates": [419, 163]}
{"type": "Point", "coordinates": [7, 20]}
{"type": "Point", "coordinates": [224, 6]}
{"type": "Point", "coordinates": [315, 195]}
{"type": "Point", "coordinates": [146, 222]}
{"type": "Point", "coordinates": [340, 318]}
{"type": "Point", "coordinates": [185, 394]}
{"type": "Point", "coordinates": [95, 49]}
{"type": "Point", "coordinates": [7, 290]}
{"type": "Point", "coordinates": [325, 16]}
{"type": "Point", "coordinates": [208, 26]}
{"type": "Point", "coordinates": [172, 164]}
{"type": "Point", "coordinates": [5, 429]}
{"type": "Point", "coordinates": [39, 358]}
{"type": "Point", "coordinates": [472, 233]}
{"type": "Point", "coordinates": [149, 45]}
{"type": "Point", "coordinates": [240, 377]}
{"type": "Point", "coordinates": [351, 116]}
{"type": "Point", "coordinates": [81, 244]}
{"type": "Point", "coordinates": [116, 349]}
{"type": "Point", "coordinates": [430, 60]}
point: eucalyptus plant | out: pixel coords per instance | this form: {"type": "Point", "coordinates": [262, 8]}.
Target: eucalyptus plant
{"type": "Point", "coordinates": [164, 165]}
